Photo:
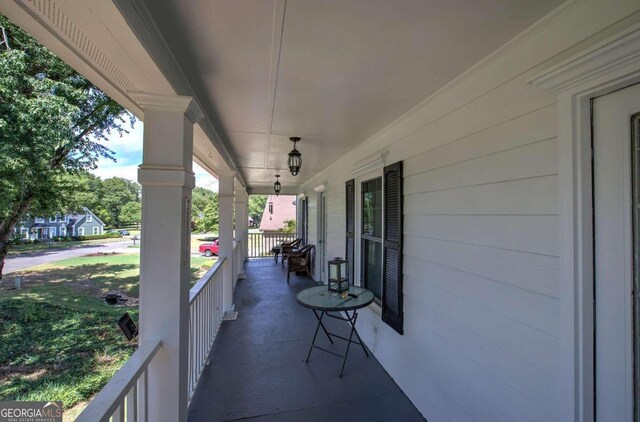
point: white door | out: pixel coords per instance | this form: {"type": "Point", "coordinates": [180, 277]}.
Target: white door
{"type": "Point", "coordinates": [615, 163]}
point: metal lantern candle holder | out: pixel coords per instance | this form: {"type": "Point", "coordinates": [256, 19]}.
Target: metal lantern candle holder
{"type": "Point", "coordinates": [277, 186]}
{"type": "Point", "coordinates": [338, 275]}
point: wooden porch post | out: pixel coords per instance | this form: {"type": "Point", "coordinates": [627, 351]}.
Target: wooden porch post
{"type": "Point", "coordinates": [167, 179]}
{"type": "Point", "coordinates": [225, 232]}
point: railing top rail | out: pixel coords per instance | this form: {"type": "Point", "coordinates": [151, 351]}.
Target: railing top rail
{"type": "Point", "coordinates": [111, 396]}
{"type": "Point", "coordinates": [197, 288]}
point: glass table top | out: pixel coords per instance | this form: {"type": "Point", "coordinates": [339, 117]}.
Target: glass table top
{"type": "Point", "coordinates": [322, 299]}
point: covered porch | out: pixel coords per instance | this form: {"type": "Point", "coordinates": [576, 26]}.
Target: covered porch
{"type": "Point", "coordinates": [257, 368]}
{"type": "Point", "coordinates": [446, 154]}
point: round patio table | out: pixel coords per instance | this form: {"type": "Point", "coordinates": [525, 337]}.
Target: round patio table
{"type": "Point", "coordinates": [320, 300]}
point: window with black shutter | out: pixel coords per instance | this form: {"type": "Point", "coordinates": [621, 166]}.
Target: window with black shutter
{"type": "Point", "coordinates": [351, 224]}
{"type": "Point", "coordinates": [392, 312]}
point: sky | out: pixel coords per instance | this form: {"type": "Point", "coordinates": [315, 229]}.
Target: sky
{"type": "Point", "coordinates": [128, 153]}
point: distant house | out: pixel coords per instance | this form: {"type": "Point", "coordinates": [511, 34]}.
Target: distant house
{"type": "Point", "coordinates": [277, 210]}
{"type": "Point", "coordinates": [70, 224]}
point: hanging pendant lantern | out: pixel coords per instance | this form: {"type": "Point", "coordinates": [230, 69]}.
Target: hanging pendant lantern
{"type": "Point", "coordinates": [295, 158]}
{"type": "Point", "coordinates": [277, 186]}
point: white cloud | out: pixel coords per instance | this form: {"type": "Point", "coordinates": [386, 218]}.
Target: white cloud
{"type": "Point", "coordinates": [126, 143]}
{"type": "Point", "coordinates": [204, 179]}
{"type": "Point", "coordinates": [128, 152]}
{"type": "Point", "coordinates": [111, 169]}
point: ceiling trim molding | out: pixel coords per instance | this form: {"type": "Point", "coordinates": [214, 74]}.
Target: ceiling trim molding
{"type": "Point", "coordinates": [145, 28]}
{"type": "Point", "coordinates": [62, 34]}
{"type": "Point", "coordinates": [529, 33]}
{"type": "Point", "coordinates": [320, 188]}
{"type": "Point", "coordinates": [48, 10]}
{"type": "Point", "coordinates": [609, 56]}
{"type": "Point", "coordinates": [374, 162]}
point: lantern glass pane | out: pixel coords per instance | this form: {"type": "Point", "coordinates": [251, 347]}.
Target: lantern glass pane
{"type": "Point", "coordinates": [333, 271]}
{"type": "Point", "coordinates": [344, 270]}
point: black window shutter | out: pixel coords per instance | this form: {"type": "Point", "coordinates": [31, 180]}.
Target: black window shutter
{"type": "Point", "coordinates": [392, 312]}
{"type": "Point", "coordinates": [350, 210]}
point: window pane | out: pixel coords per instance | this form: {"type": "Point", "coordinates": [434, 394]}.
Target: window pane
{"type": "Point", "coordinates": [372, 208]}
{"type": "Point", "coordinates": [372, 266]}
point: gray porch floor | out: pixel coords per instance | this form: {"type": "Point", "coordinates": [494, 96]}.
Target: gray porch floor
{"type": "Point", "coordinates": [258, 372]}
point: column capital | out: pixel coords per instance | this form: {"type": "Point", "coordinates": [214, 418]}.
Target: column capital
{"type": "Point", "coordinates": [225, 173]}
{"type": "Point", "coordinates": [152, 175]}
{"type": "Point", "coordinates": [225, 197]}
{"type": "Point", "coordinates": [176, 103]}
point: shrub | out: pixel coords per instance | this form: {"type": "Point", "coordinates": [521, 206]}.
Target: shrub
{"type": "Point", "coordinates": [97, 236]}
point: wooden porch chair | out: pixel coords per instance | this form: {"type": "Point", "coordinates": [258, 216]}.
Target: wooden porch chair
{"type": "Point", "coordinates": [287, 247]}
{"type": "Point", "coordinates": [300, 261]}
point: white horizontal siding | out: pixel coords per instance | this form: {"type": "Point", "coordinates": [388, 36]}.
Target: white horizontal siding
{"type": "Point", "coordinates": [481, 247]}
{"type": "Point", "coordinates": [534, 160]}
{"type": "Point", "coordinates": [532, 196]}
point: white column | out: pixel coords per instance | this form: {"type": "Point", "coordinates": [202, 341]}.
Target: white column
{"type": "Point", "coordinates": [245, 235]}
{"type": "Point", "coordinates": [225, 233]}
{"type": "Point", "coordinates": [241, 226]}
{"type": "Point", "coordinates": [167, 179]}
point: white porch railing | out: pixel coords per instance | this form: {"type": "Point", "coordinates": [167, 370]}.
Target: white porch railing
{"type": "Point", "coordinates": [238, 261]}
{"type": "Point", "coordinates": [205, 317]}
{"type": "Point", "coordinates": [124, 398]}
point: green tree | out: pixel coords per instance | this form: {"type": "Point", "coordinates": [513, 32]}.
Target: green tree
{"type": "Point", "coordinates": [202, 198]}
{"type": "Point", "coordinates": [51, 119]}
{"type": "Point", "coordinates": [116, 193]}
{"type": "Point", "coordinates": [131, 213]}
{"type": "Point", "coordinates": [289, 226]}
{"type": "Point", "coordinates": [256, 207]}
{"type": "Point", "coordinates": [88, 192]}
{"type": "Point", "coordinates": [209, 221]}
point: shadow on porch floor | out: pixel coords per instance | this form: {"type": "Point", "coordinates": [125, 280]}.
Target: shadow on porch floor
{"type": "Point", "coordinates": [258, 372]}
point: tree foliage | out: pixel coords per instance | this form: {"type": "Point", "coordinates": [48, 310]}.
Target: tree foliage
{"type": "Point", "coordinates": [116, 193]}
{"type": "Point", "coordinates": [51, 119]}
{"type": "Point", "coordinates": [256, 207]}
{"type": "Point", "coordinates": [289, 226]}
{"type": "Point", "coordinates": [131, 213]}
{"type": "Point", "coordinates": [204, 210]}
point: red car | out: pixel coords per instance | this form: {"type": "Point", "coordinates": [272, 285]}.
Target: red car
{"type": "Point", "coordinates": [209, 249]}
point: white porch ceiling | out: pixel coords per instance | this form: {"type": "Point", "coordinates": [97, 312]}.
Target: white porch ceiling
{"type": "Point", "coordinates": [333, 72]}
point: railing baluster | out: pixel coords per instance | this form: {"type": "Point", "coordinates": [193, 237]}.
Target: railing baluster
{"type": "Point", "coordinates": [205, 316]}
{"type": "Point", "coordinates": [143, 397]}
{"type": "Point", "coordinates": [132, 404]}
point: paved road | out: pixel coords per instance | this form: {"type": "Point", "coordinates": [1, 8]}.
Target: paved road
{"type": "Point", "coordinates": [20, 262]}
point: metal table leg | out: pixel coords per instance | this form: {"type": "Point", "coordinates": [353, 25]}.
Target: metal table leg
{"type": "Point", "coordinates": [351, 319]}
{"type": "Point", "coordinates": [315, 335]}
{"type": "Point", "coordinates": [319, 318]}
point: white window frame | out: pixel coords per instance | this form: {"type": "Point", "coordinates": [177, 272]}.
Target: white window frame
{"type": "Point", "coordinates": [52, 219]}
{"type": "Point", "coordinates": [378, 174]}
{"type": "Point", "coordinates": [63, 231]}
{"type": "Point", "coordinates": [378, 171]}
{"type": "Point", "coordinates": [80, 231]}
{"type": "Point", "coordinates": [89, 218]}
{"type": "Point", "coordinates": [39, 220]}
{"type": "Point", "coordinates": [53, 231]}
{"type": "Point", "coordinates": [96, 230]}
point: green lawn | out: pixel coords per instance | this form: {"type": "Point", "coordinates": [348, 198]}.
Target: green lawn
{"type": "Point", "coordinates": [58, 340]}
